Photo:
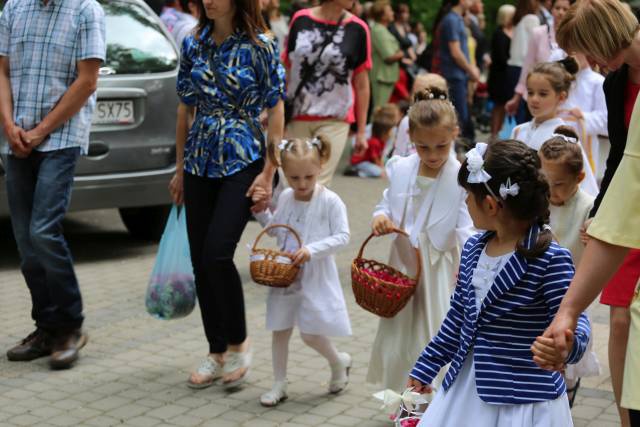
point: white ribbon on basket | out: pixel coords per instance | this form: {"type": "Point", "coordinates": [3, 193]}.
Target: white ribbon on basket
{"type": "Point", "coordinates": [392, 401]}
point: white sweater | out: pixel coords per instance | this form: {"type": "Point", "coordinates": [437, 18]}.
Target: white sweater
{"type": "Point", "coordinates": [520, 39]}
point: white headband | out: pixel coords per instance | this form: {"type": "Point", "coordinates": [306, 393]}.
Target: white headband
{"type": "Point", "coordinates": [285, 144]}
{"type": "Point", "coordinates": [569, 139]}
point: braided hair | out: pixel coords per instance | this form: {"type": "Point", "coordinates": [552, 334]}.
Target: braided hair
{"type": "Point", "coordinates": [559, 149]}
{"type": "Point", "coordinates": [514, 160]}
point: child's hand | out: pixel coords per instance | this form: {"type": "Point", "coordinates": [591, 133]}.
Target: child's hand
{"type": "Point", "coordinates": [259, 207]}
{"type": "Point", "coordinates": [546, 355]}
{"type": "Point", "coordinates": [258, 195]}
{"type": "Point", "coordinates": [418, 387]}
{"type": "Point", "coordinates": [382, 225]}
{"type": "Point", "coordinates": [584, 237]}
{"type": "Point", "coordinates": [576, 112]}
{"type": "Point", "coordinates": [301, 256]}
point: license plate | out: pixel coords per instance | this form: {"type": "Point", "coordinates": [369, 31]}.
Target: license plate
{"type": "Point", "coordinates": [113, 112]}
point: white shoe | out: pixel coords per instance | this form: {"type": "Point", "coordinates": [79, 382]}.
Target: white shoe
{"type": "Point", "coordinates": [340, 374]}
{"type": "Point", "coordinates": [236, 360]}
{"type": "Point", "coordinates": [277, 394]}
{"type": "Point", "coordinates": [210, 371]}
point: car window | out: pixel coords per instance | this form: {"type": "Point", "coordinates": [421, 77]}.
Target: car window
{"type": "Point", "coordinates": [135, 41]}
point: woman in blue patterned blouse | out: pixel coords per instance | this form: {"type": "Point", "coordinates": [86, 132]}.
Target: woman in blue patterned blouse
{"type": "Point", "coordinates": [229, 72]}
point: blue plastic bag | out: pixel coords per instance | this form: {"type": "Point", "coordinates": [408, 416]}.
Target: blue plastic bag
{"type": "Point", "coordinates": [171, 292]}
{"type": "Point", "coordinates": [507, 127]}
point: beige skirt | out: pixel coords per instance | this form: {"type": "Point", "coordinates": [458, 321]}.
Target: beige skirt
{"type": "Point", "coordinates": [631, 383]}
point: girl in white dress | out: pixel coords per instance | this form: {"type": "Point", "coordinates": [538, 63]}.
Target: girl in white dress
{"type": "Point", "coordinates": [511, 280]}
{"type": "Point", "coordinates": [548, 86]}
{"type": "Point", "coordinates": [314, 302]}
{"type": "Point", "coordinates": [563, 166]}
{"type": "Point", "coordinates": [586, 111]}
{"type": "Point", "coordinates": [425, 200]}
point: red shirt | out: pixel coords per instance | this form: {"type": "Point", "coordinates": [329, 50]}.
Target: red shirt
{"type": "Point", "coordinates": [372, 154]}
{"type": "Point", "coordinates": [630, 100]}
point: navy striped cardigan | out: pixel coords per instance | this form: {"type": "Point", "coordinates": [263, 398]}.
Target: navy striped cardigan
{"type": "Point", "coordinates": [520, 305]}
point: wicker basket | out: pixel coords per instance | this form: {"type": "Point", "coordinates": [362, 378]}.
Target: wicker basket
{"type": "Point", "coordinates": [268, 270]}
{"type": "Point", "coordinates": [382, 297]}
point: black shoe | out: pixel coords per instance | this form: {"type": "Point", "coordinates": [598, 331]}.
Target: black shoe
{"type": "Point", "coordinates": [37, 344]}
{"type": "Point", "coordinates": [66, 349]}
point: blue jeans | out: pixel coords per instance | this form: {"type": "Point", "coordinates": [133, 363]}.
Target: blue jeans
{"type": "Point", "coordinates": [367, 170]}
{"type": "Point", "coordinates": [39, 191]}
{"type": "Point", "coordinates": [458, 93]}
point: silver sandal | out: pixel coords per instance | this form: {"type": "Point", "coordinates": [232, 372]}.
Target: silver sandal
{"type": "Point", "coordinates": [211, 370]}
{"type": "Point", "coordinates": [236, 360]}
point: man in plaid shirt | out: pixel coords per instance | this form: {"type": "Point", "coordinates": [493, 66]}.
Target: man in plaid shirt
{"type": "Point", "coordinates": [50, 54]}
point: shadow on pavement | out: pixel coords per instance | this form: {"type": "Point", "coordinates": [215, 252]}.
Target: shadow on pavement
{"type": "Point", "coordinates": [92, 236]}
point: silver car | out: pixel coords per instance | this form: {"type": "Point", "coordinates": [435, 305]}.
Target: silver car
{"type": "Point", "coordinates": [132, 144]}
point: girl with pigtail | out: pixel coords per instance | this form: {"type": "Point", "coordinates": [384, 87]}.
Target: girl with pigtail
{"type": "Point", "coordinates": [511, 280]}
{"type": "Point", "coordinates": [314, 302]}
{"type": "Point", "coordinates": [424, 199]}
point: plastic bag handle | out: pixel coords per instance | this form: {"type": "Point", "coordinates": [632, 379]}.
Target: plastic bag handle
{"type": "Point", "coordinates": [398, 231]}
{"type": "Point", "coordinates": [271, 227]}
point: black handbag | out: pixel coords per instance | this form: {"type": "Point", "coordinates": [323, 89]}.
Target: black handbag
{"type": "Point", "coordinates": [308, 73]}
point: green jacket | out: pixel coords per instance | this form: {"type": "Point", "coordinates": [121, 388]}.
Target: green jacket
{"type": "Point", "coordinates": [383, 45]}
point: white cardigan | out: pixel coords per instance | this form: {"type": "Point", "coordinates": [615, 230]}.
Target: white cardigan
{"type": "Point", "coordinates": [320, 306]}
{"type": "Point", "coordinates": [448, 223]}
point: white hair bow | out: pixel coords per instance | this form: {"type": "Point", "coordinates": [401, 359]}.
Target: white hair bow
{"type": "Point", "coordinates": [569, 139]}
{"type": "Point", "coordinates": [508, 189]}
{"type": "Point", "coordinates": [283, 145]}
{"type": "Point", "coordinates": [315, 142]}
{"type": "Point", "coordinates": [475, 164]}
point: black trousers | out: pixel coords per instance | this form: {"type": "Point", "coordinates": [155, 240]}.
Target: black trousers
{"type": "Point", "coordinates": [217, 214]}
{"type": "Point", "coordinates": [634, 415]}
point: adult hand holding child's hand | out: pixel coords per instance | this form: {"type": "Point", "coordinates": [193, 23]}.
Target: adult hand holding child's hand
{"type": "Point", "coordinates": [547, 355]}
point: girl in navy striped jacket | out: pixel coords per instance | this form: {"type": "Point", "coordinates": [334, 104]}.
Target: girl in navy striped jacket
{"type": "Point", "coordinates": [511, 281]}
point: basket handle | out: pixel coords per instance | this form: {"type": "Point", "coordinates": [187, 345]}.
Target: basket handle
{"type": "Point", "coordinates": [271, 227]}
{"type": "Point", "coordinates": [398, 231]}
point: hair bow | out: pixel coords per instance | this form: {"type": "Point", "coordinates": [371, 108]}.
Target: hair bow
{"type": "Point", "coordinates": [569, 139]}
{"type": "Point", "coordinates": [475, 164]}
{"type": "Point", "coordinates": [315, 142]}
{"type": "Point", "coordinates": [284, 145]}
{"type": "Point", "coordinates": [507, 189]}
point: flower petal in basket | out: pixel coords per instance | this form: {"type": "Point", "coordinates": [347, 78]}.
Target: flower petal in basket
{"type": "Point", "coordinates": [379, 288]}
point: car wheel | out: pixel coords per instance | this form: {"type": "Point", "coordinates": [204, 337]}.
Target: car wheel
{"type": "Point", "coordinates": [147, 222]}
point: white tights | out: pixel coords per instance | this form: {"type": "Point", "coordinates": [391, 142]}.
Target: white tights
{"type": "Point", "coordinates": [280, 350]}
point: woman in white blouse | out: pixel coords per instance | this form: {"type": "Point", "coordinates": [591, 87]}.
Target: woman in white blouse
{"type": "Point", "coordinates": [524, 21]}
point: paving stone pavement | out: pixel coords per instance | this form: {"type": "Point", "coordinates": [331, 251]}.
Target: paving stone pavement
{"type": "Point", "coordinates": [134, 368]}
